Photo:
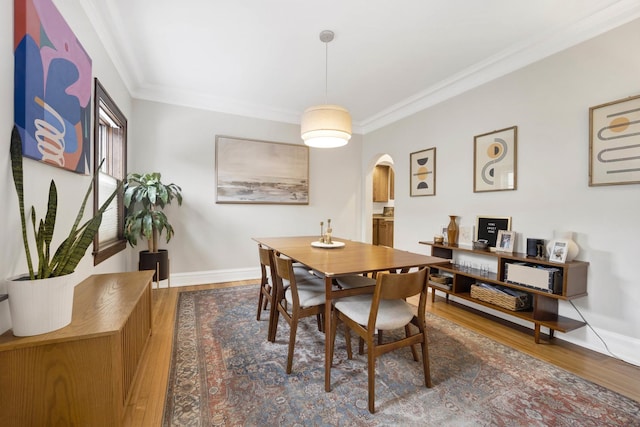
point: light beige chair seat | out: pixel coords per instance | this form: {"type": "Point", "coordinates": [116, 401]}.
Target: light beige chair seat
{"type": "Point", "coordinates": [392, 314]}
{"type": "Point", "coordinates": [354, 281]}
{"type": "Point", "coordinates": [308, 296]}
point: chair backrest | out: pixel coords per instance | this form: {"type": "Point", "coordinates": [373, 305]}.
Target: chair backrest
{"type": "Point", "coordinates": [399, 286]}
{"type": "Point", "coordinates": [266, 263]}
{"type": "Point", "coordinates": [284, 271]}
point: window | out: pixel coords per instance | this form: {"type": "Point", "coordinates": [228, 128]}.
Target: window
{"type": "Point", "coordinates": [110, 145]}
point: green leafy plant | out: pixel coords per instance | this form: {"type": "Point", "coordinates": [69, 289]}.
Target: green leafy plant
{"type": "Point", "coordinates": [66, 258]}
{"type": "Point", "coordinates": [144, 197]}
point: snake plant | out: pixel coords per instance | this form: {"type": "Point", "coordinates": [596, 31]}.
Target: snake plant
{"type": "Point", "coordinates": [72, 249]}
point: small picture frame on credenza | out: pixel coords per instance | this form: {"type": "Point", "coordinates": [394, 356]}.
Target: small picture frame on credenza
{"type": "Point", "coordinates": [505, 242]}
{"type": "Point", "coordinates": [559, 250]}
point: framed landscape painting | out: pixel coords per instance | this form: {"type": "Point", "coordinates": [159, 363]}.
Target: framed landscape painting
{"type": "Point", "coordinates": [494, 160]}
{"type": "Point", "coordinates": [261, 172]}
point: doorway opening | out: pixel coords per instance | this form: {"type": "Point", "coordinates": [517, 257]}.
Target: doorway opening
{"type": "Point", "coordinates": [382, 196]}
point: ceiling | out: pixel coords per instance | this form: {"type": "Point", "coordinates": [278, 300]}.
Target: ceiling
{"type": "Point", "coordinates": [389, 59]}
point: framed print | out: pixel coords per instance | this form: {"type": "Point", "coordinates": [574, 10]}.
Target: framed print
{"type": "Point", "coordinates": [52, 88]}
{"type": "Point", "coordinates": [261, 172]}
{"type": "Point", "coordinates": [487, 228]}
{"type": "Point", "coordinates": [423, 173]}
{"type": "Point", "coordinates": [614, 142]}
{"type": "Point", "coordinates": [559, 250]}
{"type": "Point", "coordinates": [494, 160]}
{"type": "Point", "coordinates": [505, 241]}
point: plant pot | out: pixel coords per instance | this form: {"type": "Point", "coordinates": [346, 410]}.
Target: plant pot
{"type": "Point", "coordinates": [40, 306]}
{"type": "Point", "coordinates": [156, 261]}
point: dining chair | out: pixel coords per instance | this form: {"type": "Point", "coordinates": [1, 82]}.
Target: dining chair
{"type": "Point", "coordinates": [297, 301]}
{"type": "Point", "coordinates": [265, 296]}
{"type": "Point", "coordinates": [385, 309]}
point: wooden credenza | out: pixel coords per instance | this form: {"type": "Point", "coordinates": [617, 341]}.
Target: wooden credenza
{"type": "Point", "coordinates": [80, 375]}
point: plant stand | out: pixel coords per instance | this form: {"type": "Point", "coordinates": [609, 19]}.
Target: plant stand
{"type": "Point", "coordinates": [158, 262]}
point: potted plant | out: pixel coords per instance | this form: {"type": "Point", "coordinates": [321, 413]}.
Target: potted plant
{"type": "Point", "coordinates": [145, 197]}
{"type": "Point", "coordinates": [42, 300]}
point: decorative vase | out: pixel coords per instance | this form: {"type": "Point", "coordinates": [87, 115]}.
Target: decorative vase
{"type": "Point", "coordinates": [40, 306]}
{"type": "Point", "coordinates": [452, 231]}
{"type": "Point", "coordinates": [572, 246]}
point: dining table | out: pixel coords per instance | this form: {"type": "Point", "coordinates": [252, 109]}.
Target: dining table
{"type": "Point", "coordinates": [342, 257]}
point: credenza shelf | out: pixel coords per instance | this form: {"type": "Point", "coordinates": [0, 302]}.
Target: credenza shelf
{"type": "Point", "coordinates": [544, 311]}
{"type": "Point", "coordinates": [81, 374]}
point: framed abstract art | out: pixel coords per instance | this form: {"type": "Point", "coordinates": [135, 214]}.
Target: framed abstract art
{"type": "Point", "coordinates": [423, 173]}
{"type": "Point", "coordinates": [614, 142]}
{"type": "Point", "coordinates": [494, 160]}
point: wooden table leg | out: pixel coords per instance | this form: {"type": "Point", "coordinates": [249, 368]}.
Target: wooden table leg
{"type": "Point", "coordinates": [327, 334]}
{"type": "Point", "coordinates": [536, 334]}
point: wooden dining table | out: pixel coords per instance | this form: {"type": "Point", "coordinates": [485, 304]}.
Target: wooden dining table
{"type": "Point", "coordinates": [352, 258]}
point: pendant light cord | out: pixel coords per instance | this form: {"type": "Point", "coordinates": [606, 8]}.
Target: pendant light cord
{"type": "Point", "coordinates": [326, 72]}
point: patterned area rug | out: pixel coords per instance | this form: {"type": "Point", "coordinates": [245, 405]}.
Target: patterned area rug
{"type": "Point", "coordinates": [225, 372]}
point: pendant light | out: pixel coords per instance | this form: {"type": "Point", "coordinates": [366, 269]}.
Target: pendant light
{"type": "Point", "coordinates": [326, 125]}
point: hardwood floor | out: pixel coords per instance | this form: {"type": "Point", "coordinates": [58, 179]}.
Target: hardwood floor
{"type": "Point", "coordinates": [147, 396]}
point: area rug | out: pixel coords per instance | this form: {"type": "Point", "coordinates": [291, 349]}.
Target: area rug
{"type": "Point", "coordinates": [224, 372]}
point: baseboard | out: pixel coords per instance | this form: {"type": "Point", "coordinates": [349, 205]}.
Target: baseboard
{"type": "Point", "coordinates": [213, 276]}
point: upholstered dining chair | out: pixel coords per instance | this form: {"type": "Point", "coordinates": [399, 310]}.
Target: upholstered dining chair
{"type": "Point", "coordinates": [386, 309]}
{"type": "Point", "coordinates": [267, 274]}
{"type": "Point", "coordinates": [297, 301]}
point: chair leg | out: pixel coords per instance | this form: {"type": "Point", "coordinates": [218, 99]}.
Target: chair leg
{"type": "Point", "coordinates": [347, 339]}
{"type": "Point", "coordinates": [292, 343]}
{"type": "Point", "coordinates": [260, 297]}
{"type": "Point", "coordinates": [425, 360]}
{"type": "Point", "coordinates": [360, 346]}
{"type": "Point", "coordinates": [407, 332]}
{"type": "Point", "coordinates": [371, 373]}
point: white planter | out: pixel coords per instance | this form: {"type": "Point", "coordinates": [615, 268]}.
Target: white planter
{"type": "Point", "coordinates": [40, 306]}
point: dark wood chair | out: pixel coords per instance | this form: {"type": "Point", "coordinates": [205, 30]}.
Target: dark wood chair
{"type": "Point", "coordinates": [266, 278]}
{"type": "Point", "coordinates": [297, 301]}
{"type": "Point", "coordinates": [386, 309]}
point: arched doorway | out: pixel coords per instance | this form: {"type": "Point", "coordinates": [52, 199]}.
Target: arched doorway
{"type": "Point", "coordinates": [379, 200]}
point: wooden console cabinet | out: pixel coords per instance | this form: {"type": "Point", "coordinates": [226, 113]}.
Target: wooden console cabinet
{"type": "Point", "coordinates": [80, 375]}
{"type": "Point", "coordinates": [544, 310]}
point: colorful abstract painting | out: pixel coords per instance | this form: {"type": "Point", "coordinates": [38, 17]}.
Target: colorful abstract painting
{"type": "Point", "coordinates": [52, 87]}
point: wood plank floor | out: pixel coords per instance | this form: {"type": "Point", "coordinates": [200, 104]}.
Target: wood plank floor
{"type": "Point", "coordinates": [147, 396]}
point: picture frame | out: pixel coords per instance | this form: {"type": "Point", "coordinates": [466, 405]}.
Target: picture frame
{"type": "Point", "coordinates": [614, 142]}
{"type": "Point", "coordinates": [423, 173]}
{"type": "Point", "coordinates": [505, 241]}
{"type": "Point", "coordinates": [487, 228]}
{"type": "Point", "coordinates": [495, 160]}
{"type": "Point", "coordinates": [250, 171]}
{"type": "Point", "coordinates": [559, 251]}
{"type": "Point", "coordinates": [52, 88]}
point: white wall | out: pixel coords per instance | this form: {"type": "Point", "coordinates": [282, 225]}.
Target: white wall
{"type": "Point", "coordinates": [549, 102]}
{"type": "Point", "coordinates": [71, 187]}
{"type": "Point", "coordinates": [212, 242]}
